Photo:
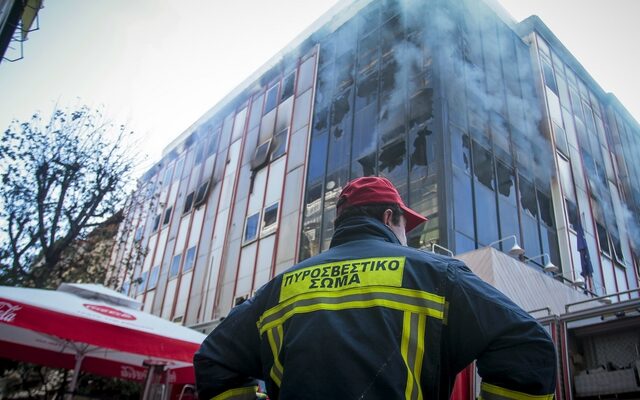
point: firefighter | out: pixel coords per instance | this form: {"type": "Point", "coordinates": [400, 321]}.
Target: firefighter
{"type": "Point", "coordinates": [371, 318]}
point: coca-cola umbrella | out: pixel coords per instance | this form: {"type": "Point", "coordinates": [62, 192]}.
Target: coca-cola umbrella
{"type": "Point", "coordinates": [91, 328]}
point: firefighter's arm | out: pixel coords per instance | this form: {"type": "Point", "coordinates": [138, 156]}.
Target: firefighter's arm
{"type": "Point", "coordinates": [228, 361]}
{"type": "Point", "coordinates": [515, 356]}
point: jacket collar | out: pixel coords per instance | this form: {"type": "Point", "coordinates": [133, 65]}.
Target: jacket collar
{"type": "Point", "coordinates": [360, 228]}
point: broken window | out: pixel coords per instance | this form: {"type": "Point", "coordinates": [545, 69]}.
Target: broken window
{"type": "Point", "coordinates": [392, 155]}
{"type": "Point", "coordinates": [142, 282]}
{"type": "Point", "coordinates": [188, 203]}
{"type": "Point", "coordinates": [366, 90]}
{"type": "Point", "coordinates": [261, 155]}
{"type": "Point", "coordinates": [483, 166]}
{"type": "Point", "coordinates": [201, 194]}
{"type": "Point", "coordinates": [528, 198]}
{"type": "Point", "coordinates": [156, 223]}
{"type": "Point", "coordinates": [602, 239]}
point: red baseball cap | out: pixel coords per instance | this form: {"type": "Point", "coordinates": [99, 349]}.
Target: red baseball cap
{"type": "Point", "coordinates": [376, 190]}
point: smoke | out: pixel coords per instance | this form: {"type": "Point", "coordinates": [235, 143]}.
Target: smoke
{"type": "Point", "coordinates": [482, 58]}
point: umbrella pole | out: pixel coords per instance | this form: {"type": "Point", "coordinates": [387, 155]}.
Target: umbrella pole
{"type": "Point", "coordinates": [76, 373]}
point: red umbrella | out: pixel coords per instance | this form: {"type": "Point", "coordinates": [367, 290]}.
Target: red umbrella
{"type": "Point", "coordinates": [94, 329]}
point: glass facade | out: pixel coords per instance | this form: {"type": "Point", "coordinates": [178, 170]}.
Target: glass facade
{"type": "Point", "coordinates": [488, 127]}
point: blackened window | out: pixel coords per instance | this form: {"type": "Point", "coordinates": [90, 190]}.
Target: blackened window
{"type": "Point", "coordinates": [528, 198]}
{"type": "Point", "coordinates": [189, 259]}
{"type": "Point", "coordinates": [156, 223]}
{"type": "Point", "coordinates": [188, 203]}
{"type": "Point", "coordinates": [546, 209]}
{"type": "Point", "coordinates": [483, 166]}
{"type": "Point", "coordinates": [272, 99]}
{"type": "Point", "coordinates": [167, 216]}
{"type": "Point", "coordinates": [617, 247]}
{"type": "Point", "coordinates": [261, 155]}
{"type": "Point", "coordinates": [201, 194]}
{"type": "Point", "coordinates": [602, 239]}
{"type": "Point", "coordinates": [287, 87]}
{"type": "Point", "coordinates": [367, 90]}
{"type": "Point", "coordinates": [461, 149]}
{"type": "Point", "coordinates": [506, 182]}
{"type": "Point", "coordinates": [572, 214]}
{"type": "Point", "coordinates": [175, 266]}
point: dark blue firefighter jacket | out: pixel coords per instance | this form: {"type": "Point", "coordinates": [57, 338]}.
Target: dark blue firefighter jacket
{"type": "Point", "coordinates": [371, 319]}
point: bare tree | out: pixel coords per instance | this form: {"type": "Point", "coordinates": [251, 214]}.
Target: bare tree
{"type": "Point", "coordinates": [61, 177]}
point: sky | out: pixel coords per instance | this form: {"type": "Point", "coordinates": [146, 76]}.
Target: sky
{"type": "Point", "coordinates": [159, 65]}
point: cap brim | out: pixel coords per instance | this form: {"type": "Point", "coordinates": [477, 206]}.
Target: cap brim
{"type": "Point", "coordinates": [413, 218]}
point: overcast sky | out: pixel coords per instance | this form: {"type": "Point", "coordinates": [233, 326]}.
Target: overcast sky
{"type": "Point", "coordinates": [159, 65]}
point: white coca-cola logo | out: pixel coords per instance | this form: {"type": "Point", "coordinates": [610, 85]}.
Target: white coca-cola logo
{"type": "Point", "coordinates": [110, 311]}
{"type": "Point", "coordinates": [128, 372]}
{"type": "Point", "coordinates": [8, 311]}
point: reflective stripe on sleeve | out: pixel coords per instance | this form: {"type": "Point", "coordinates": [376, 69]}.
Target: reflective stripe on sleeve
{"type": "Point", "coordinates": [243, 393]}
{"type": "Point", "coordinates": [493, 392]}
{"type": "Point", "coordinates": [275, 343]}
{"type": "Point", "coordinates": [401, 299]}
{"type": "Point", "coordinates": [412, 350]}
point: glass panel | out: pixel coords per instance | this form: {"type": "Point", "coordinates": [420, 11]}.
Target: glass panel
{"type": "Point", "coordinates": [270, 217]}
{"type": "Point", "coordinates": [142, 282]}
{"type": "Point", "coordinates": [531, 240]}
{"type": "Point", "coordinates": [602, 239]}
{"type": "Point", "coordinates": [188, 203]}
{"type": "Point", "coordinates": [287, 86]}
{"type": "Point", "coordinates": [153, 277]}
{"type": "Point", "coordinates": [566, 178]}
{"type": "Point", "coordinates": [462, 207]}
{"type": "Point", "coordinates": [318, 156]}
{"type": "Point", "coordinates": [483, 166]}
{"type": "Point", "coordinates": [546, 209]}
{"type": "Point", "coordinates": [549, 78]}
{"type": "Point", "coordinates": [175, 265]}
{"type": "Point", "coordinates": [280, 143]}
{"type": "Point", "coordinates": [554, 107]}
{"type": "Point", "coordinates": [528, 198]}
{"type": "Point", "coordinates": [463, 243]}
{"type": "Point", "coordinates": [305, 79]}
{"type": "Point", "coordinates": [167, 216]}
{"type": "Point", "coordinates": [189, 259]}
{"type": "Point", "coordinates": [364, 142]}
{"type": "Point", "coordinates": [506, 183]}
{"type": "Point", "coordinates": [461, 148]}
{"type": "Point", "coordinates": [508, 220]}
{"type": "Point", "coordinates": [272, 99]}
{"type": "Point", "coordinates": [301, 111]}
{"type": "Point", "coordinates": [487, 218]}
{"type": "Point", "coordinates": [561, 139]}
{"type": "Point", "coordinates": [256, 108]}
{"type": "Point", "coordinates": [251, 227]}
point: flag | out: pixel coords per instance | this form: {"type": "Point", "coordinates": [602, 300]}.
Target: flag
{"type": "Point", "coordinates": [585, 260]}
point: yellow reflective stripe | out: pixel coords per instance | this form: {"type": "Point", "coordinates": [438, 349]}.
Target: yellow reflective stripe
{"type": "Point", "coordinates": [412, 351]}
{"type": "Point", "coordinates": [274, 337]}
{"type": "Point", "coordinates": [420, 341]}
{"type": "Point", "coordinates": [493, 392]}
{"type": "Point", "coordinates": [244, 393]}
{"type": "Point", "coordinates": [404, 351]}
{"type": "Point", "coordinates": [402, 299]}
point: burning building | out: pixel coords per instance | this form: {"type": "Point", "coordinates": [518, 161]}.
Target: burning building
{"type": "Point", "coordinates": [489, 127]}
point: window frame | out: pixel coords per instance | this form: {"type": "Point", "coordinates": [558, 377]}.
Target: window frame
{"type": "Point", "coordinates": [193, 251]}
{"type": "Point", "coordinates": [266, 230]}
{"type": "Point", "coordinates": [154, 274]}
{"type": "Point", "coordinates": [173, 262]}
{"type": "Point", "coordinates": [188, 201]}
{"type": "Point", "coordinates": [257, 228]}
{"type": "Point", "coordinates": [167, 216]}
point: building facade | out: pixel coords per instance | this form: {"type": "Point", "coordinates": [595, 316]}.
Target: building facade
{"type": "Point", "coordinates": [489, 127]}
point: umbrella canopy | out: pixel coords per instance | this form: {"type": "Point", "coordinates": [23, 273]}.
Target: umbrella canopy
{"type": "Point", "coordinates": [95, 329]}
